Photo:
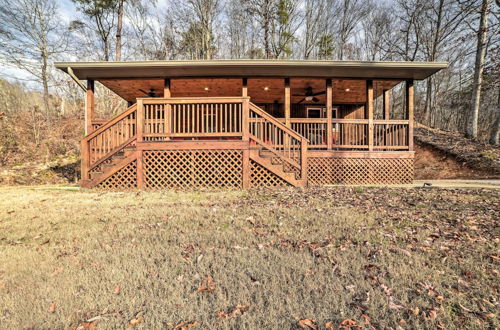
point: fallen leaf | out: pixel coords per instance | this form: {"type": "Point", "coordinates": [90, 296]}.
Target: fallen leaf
{"type": "Point", "coordinates": [135, 322]}
{"type": "Point", "coordinates": [366, 319]}
{"type": "Point", "coordinates": [308, 324]}
{"type": "Point", "coordinates": [207, 285]}
{"type": "Point", "coordinates": [88, 326]}
{"type": "Point", "coordinates": [393, 305]}
{"type": "Point", "coordinates": [329, 325]}
{"type": "Point", "coordinates": [431, 315]}
{"type": "Point", "coordinates": [349, 324]}
{"type": "Point", "coordinates": [186, 325]}
{"type": "Point", "coordinates": [52, 308]}
{"type": "Point", "coordinates": [117, 289]}
{"type": "Point", "coordinates": [238, 310]}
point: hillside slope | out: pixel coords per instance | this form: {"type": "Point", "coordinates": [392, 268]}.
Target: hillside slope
{"type": "Point", "coordinates": [449, 155]}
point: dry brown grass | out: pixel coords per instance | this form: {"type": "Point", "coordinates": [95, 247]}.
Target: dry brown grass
{"type": "Point", "coordinates": [383, 257]}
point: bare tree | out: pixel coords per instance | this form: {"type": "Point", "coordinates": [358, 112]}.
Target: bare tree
{"type": "Point", "coordinates": [377, 27]}
{"type": "Point", "coordinates": [264, 12]}
{"type": "Point", "coordinates": [119, 28]}
{"type": "Point", "coordinates": [31, 35]}
{"type": "Point", "coordinates": [199, 17]}
{"type": "Point", "coordinates": [348, 15]}
{"type": "Point", "coordinates": [495, 132]}
{"type": "Point", "coordinates": [284, 27]}
{"type": "Point", "coordinates": [99, 19]}
{"type": "Point", "coordinates": [152, 35]}
{"type": "Point", "coordinates": [443, 18]}
{"type": "Point", "coordinates": [478, 69]}
{"type": "Point", "coordinates": [316, 22]}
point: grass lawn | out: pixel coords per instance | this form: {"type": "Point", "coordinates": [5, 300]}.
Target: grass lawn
{"type": "Point", "coordinates": [326, 257]}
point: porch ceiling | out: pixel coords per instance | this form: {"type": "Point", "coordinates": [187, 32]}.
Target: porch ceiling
{"type": "Point", "coordinates": [260, 90]}
{"type": "Point", "coordinates": [253, 68]}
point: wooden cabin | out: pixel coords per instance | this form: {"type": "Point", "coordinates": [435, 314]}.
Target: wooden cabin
{"type": "Point", "coordinates": [248, 123]}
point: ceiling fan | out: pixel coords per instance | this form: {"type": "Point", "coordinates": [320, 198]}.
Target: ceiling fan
{"type": "Point", "coordinates": [309, 95]}
{"type": "Point", "coordinates": [151, 92]}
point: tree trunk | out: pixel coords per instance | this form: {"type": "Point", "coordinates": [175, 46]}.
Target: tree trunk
{"type": "Point", "coordinates": [495, 131]}
{"type": "Point", "coordinates": [478, 70]}
{"type": "Point", "coordinates": [267, 35]}
{"type": "Point", "coordinates": [119, 27]}
{"type": "Point", "coordinates": [434, 49]}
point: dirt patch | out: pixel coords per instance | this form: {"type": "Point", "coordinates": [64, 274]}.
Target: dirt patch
{"type": "Point", "coordinates": [64, 170]}
{"type": "Point", "coordinates": [432, 164]}
{"type": "Point", "coordinates": [461, 154]}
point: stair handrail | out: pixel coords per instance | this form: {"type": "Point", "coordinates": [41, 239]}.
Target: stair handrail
{"type": "Point", "coordinates": [86, 164]}
{"type": "Point", "coordinates": [113, 121]}
{"type": "Point", "coordinates": [301, 139]}
{"type": "Point", "coordinates": [276, 122]}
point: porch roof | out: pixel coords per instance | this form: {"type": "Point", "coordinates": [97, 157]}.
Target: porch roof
{"type": "Point", "coordinates": [252, 68]}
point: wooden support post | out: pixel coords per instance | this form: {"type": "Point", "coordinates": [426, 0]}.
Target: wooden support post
{"type": "Point", "coordinates": [245, 167]}
{"type": "Point", "coordinates": [303, 159]}
{"type": "Point", "coordinates": [369, 110]}
{"type": "Point", "coordinates": [409, 111]}
{"type": "Point", "coordinates": [85, 146]}
{"type": "Point", "coordinates": [140, 120]}
{"type": "Point", "coordinates": [387, 104]}
{"type": "Point", "coordinates": [89, 106]}
{"type": "Point", "coordinates": [166, 88]}
{"type": "Point", "coordinates": [386, 113]}
{"type": "Point", "coordinates": [245, 119]}
{"type": "Point", "coordinates": [244, 87]}
{"type": "Point", "coordinates": [287, 102]}
{"type": "Point", "coordinates": [167, 93]}
{"type": "Point", "coordinates": [140, 170]}
{"type": "Point", "coordinates": [329, 125]}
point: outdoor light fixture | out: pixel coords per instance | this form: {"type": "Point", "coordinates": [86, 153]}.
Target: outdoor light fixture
{"type": "Point", "coordinates": [266, 88]}
{"type": "Point", "coordinates": [347, 89]}
{"type": "Point", "coordinates": [309, 98]}
{"type": "Point", "coordinates": [206, 88]}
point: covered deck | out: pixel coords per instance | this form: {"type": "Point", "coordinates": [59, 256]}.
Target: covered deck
{"type": "Point", "coordinates": [305, 115]}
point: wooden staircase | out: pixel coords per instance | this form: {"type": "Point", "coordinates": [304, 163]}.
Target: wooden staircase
{"type": "Point", "coordinates": [110, 166]}
{"type": "Point", "coordinates": [278, 148]}
{"type": "Point", "coordinates": [114, 145]}
{"type": "Point", "coordinates": [277, 167]}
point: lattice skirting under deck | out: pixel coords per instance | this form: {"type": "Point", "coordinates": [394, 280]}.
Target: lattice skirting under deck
{"type": "Point", "coordinates": [126, 178]}
{"type": "Point", "coordinates": [359, 171]}
{"type": "Point", "coordinates": [187, 169]}
{"type": "Point", "coordinates": [261, 177]}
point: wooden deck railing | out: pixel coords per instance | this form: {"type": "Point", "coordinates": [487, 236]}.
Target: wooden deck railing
{"type": "Point", "coordinates": [269, 133]}
{"type": "Point", "coordinates": [159, 119]}
{"type": "Point", "coordinates": [164, 119]}
{"type": "Point", "coordinates": [107, 139]}
{"type": "Point", "coordinates": [391, 134]}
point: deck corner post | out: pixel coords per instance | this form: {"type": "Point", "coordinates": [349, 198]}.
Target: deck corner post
{"type": "Point", "coordinates": [369, 106]}
{"type": "Point", "coordinates": [140, 120]}
{"type": "Point", "coordinates": [89, 106]}
{"type": "Point", "coordinates": [166, 88]}
{"type": "Point", "coordinates": [386, 112]}
{"type": "Point", "coordinates": [245, 119]}
{"type": "Point", "coordinates": [287, 102]}
{"type": "Point", "coordinates": [140, 170]}
{"type": "Point", "coordinates": [303, 159]}
{"type": "Point", "coordinates": [85, 161]}
{"type": "Point", "coordinates": [245, 168]}
{"type": "Point", "coordinates": [410, 111]}
{"type": "Point", "coordinates": [329, 125]}
{"type": "Point", "coordinates": [244, 87]}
